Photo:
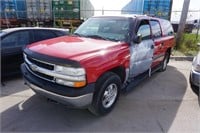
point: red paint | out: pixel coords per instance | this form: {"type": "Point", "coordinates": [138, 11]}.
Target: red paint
{"type": "Point", "coordinates": [96, 56]}
{"type": "Point", "coordinates": [161, 45]}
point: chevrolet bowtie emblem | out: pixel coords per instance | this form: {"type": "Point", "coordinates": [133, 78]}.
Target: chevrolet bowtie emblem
{"type": "Point", "coordinates": [34, 67]}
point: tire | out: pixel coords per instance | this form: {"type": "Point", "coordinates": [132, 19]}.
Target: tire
{"type": "Point", "coordinates": [164, 62]}
{"type": "Point", "coordinates": [106, 94]}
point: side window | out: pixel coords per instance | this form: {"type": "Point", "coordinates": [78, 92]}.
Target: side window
{"type": "Point", "coordinates": [144, 30]}
{"type": "Point", "coordinates": [166, 28]}
{"type": "Point", "coordinates": [15, 39]}
{"type": "Point", "coordinates": [61, 33]}
{"type": "Point", "coordinates": [156, 31]}
{"type": "Point", "coordinates": [40, 35]}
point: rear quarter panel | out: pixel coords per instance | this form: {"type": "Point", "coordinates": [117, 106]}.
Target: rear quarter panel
{"type": "Point", "coordinates": [168, 39]}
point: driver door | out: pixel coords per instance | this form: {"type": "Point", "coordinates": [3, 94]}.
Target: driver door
{"type": "Point", "coordinates": [142, 53]}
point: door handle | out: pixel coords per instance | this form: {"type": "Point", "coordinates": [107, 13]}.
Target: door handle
{"type": "Point", "coordinates": [161, 45]}
{"type": "Point", "coordinates": [152, 46]}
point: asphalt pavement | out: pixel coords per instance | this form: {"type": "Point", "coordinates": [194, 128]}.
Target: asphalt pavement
{"type": "Point", "coordinates": [162, 103]}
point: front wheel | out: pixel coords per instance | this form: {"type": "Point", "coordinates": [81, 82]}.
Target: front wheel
{"type": "Point", "coordinates": [106, 94]}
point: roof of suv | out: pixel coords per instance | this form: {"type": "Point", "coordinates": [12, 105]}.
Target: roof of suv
{"type": "Point", "coordinates": [131, 16]}
{"type": "Point", "coordinates": [33, 28]}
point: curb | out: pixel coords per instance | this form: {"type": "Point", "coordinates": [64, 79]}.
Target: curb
{"type": "Point", "coordinates": [182, 58]}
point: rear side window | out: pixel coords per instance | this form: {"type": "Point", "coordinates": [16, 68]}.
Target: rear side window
{"type": "Point", "coordinates": [144, 30]}
{"type": "Point", "coordinates": [19, 38]}
{"type": "Point", "coordinates": [40, 35]}
{"type": "Point", "coordinates": [166, 28]}
{"type": "Point", "coordinates": [156, 31]}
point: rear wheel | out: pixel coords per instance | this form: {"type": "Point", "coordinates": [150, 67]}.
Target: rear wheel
{"type": "Point", "coordinates": [106, 94]}
{"type": "Point", "coordinates": [164, 62]}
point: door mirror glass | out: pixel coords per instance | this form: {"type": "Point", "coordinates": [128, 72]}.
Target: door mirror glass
{"type": "Point", "coordinates": [138, 38]}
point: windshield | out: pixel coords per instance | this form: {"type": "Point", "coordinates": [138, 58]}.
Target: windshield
{"type": "Point", "coordinates": [115, 29]}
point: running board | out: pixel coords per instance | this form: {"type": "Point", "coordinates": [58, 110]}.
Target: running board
{"type": "Point", "coordinates": [136, 80]}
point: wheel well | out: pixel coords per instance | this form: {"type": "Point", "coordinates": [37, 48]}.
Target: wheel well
{"type": "Point", "coordinates": [120, 71]}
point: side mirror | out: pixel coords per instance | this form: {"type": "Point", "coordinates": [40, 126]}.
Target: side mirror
{"type": "Point", "coordinates": [138, 38]}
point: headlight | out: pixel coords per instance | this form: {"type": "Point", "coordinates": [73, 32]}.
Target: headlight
{"type": "Point", "coordinates": [195, 65]}
{"type": "Point", "coordinates": [69, 71]}
{"type": "Point", "coordinates": [73, 77]}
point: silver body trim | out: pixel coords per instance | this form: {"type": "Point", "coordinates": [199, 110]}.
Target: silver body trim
{"type": "Point", "coordinates": [127, 75]}
{"type": "Point", "coordinates": [38, 75]}
{"type": "Point", "coordinates": [78, 102]}
{"type": "Point", "coordinates": [195, 78]}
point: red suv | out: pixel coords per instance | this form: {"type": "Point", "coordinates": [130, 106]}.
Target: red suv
{"type": "Point", "coordinates": [105, 55]}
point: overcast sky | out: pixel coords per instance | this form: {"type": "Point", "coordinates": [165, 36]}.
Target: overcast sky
{"type": "Point", "coordinates": [119, 4]}
{"type": "Point", "coordinates": [193, 14]}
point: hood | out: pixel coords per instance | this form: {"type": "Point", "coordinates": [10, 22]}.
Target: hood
{"type": "Point", "coordinates": [72, 47]}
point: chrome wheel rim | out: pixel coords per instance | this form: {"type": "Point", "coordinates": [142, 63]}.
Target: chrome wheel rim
{"type": "Point", "coordinates": [109, 95]}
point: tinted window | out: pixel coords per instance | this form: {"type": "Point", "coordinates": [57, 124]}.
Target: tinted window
{"type": "Point", "coordinates": [144, 30]}
{"type": "Point", "coordinates": [166, 28]}
{"type": "Point", "coordinates": [15, 39]}
{"type": "Point", "coordinates": [40, 35]}
{"type": "Point", "coordinates": [61, 33]}
{"type": "Point", "coordinates": [156, 31]}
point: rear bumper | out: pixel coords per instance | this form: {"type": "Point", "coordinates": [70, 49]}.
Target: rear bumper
{"type": "Point", "coordinates": [77, 98]}
{"type": "Point", "coordinates": [195, 81]}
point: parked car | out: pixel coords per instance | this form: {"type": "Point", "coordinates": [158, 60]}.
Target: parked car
{"type": "Point", "coordinates": [195, 74]}
{"type": "Point", "coordinates": [197, 23]}
{"type": "Point", "coordinates": [14, 39]}
{"type": "Point", "coordinates": [105, 55]}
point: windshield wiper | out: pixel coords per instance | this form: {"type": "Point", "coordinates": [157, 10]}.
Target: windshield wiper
{"type": "Point", "coordinates": [113, 39]}
{"type": "Point", "coordinates": [77, 34]}
{"type": "Point", "coordinates": [96, 37]}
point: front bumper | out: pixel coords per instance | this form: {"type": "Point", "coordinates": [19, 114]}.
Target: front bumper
{"type": "Point", "coordinates": [195, 81]}
{"type": "Point", "coordinates": [72, 97]}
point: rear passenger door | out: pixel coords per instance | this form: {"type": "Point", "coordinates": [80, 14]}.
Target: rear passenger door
{"type": "Point", "coordinates": [142, 53]}
{"type": "Point", "coordinates": [158, 54]}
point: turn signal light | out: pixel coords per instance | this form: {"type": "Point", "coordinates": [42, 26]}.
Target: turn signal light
{"type": "Point", "coordinates": [79, 84]}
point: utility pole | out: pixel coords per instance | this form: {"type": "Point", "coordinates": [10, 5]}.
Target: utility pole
{"type": "Point", "coordinates": [198, 26]}
{"type": "Point", "coordinates": [182, 22]}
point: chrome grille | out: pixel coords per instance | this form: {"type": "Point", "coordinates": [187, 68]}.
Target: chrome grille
{"type": "Point", "coordinates": [41, 63]}
{"type": "Point", "coordinates": [48, 71]}
{"type": "Point", "coordinates": [33, 65]}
